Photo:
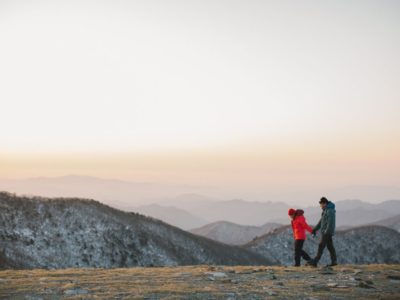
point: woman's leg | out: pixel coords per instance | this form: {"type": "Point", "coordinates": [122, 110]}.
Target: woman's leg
{"type": "Point", "coordinates": [305, 255]}
{"type": "Point", "coordinates": [297, 251]}
{"type": "Point", "coordinates": [301, 252]}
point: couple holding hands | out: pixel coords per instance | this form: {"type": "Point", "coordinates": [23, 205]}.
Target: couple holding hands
{"type": "Point", "coordinates": [327, 226]}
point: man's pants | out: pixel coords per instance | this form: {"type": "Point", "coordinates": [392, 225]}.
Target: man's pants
{"type": "Point", "coordinates": [299, 252]}
{"type": "Point", "coordinates": [326, 241]}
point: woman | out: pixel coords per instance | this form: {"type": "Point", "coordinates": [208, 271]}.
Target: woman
{"type": "Point", "coordinates": [299, 226]}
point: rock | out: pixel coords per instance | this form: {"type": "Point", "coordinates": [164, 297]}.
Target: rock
{"type": "Point", "coordinates": [269, 270]}
{"type": "Point", "coordinates": [73, 292]}
{"type": "Point", "coordinates": [365, 285]}
{"type": "Point", "coordinates": [326, 271]}
{"type": "Point", "coordinates": [320, 288]}
{"type": "Point", "coordinates": [267, 277]}
{"type": "Point", "coordinates": [395, 281]}
{"type": "Point", "coordinates": [290, 270]}
{"type": "Point", "coordinates": [332, 284]}
{"type": "Point", "coordinates": [48, 291]}
{"type": "Point", "coordinates": [394, 277]}
{"type": "Point", "coordinates": [258, 270]}
{"type": "Point", "coordinates": [352, 279]}
{"type": "Point", "coordinates": [33, 297]}
{"type": "Point", "coordinates": [245, 272]}
{"type": "Point", "coordinates": [217, 274]}
{"type": "Point", "coordinates": [358, 278]}
{"type": "Point", "coordinates": [344, 270]}
{"type": "Point", "coordinates": [376, 272]}
{"type": "Point", "coordinates": [272, 293]}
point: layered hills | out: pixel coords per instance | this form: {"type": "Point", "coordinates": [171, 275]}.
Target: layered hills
{"type": "Point", "coordinates": [233, 234]}
{"type": "Point", "coordinates": [37, 232]}
{"type": "Point", "coordinates": [63, 233]}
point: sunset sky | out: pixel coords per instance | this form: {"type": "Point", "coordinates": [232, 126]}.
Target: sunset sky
{"type": "Point", "coordinates": [256, 98]}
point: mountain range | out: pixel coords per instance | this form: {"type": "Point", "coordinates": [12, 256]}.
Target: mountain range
{"type": "Point", "coordinates": [37, 232]}
{"type": "Point", "coordinates": [393, 222]}
{"type": "Point", "coordinates": [120, 194]}
{"type": "Point", "coordinates": [190, 204]}
{"type": "Point", "coordinates": [66, 232]}
{"type": "Point", "coordinates": [350, 213]}
{"type": "Point", "coordinates": [233, 234]}
{"type": "Point", "coordinates": [171, 215]}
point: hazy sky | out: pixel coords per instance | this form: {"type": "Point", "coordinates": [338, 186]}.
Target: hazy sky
{"type": "Point", "coordinates": [250, 96]}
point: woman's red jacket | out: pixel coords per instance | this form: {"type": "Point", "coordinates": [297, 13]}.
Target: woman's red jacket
{"type": "Point", "coordinates": [300, 226]}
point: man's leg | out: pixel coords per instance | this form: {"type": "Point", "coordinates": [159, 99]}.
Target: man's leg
{"type": "Point", "coordinates": [321, 247]}
{"type": "Point", "coordinates": [332, 250]}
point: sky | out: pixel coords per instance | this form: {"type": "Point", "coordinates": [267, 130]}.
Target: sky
{"type": "Point", "coordinates": [257, 98]}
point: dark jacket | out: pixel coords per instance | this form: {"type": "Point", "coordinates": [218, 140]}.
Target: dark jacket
{"type": "Point", "coordinates": [327, 223]}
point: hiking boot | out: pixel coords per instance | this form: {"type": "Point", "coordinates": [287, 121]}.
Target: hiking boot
{"type": "Point", "coordinates": [311, 263]}
{"type": "Point", "coordinates": [332, 264]}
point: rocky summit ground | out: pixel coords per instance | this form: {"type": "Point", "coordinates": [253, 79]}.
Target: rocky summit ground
{"type": "Point", "coordinates": [205, 282]}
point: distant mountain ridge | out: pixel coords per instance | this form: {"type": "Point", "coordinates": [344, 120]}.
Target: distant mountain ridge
{"type": "Point", "coordinates": [242, 212]}
{"type": "Point", "coordinates": [203, 210]}
{"type": "Point", "coordinates": [171, 215]}
{"type": "Point", "coordinates": [350, 213]}
{"type": "Point", "coordinates": [233, 234]}
{"type": "Point", "coordinates": [392, 222]}
{"type": "Point", "coordinates": [356, 212]}
{"type": "Point", "coordinates": [114, 192]}
{"type": "Point", "coordinates": [62, 233]}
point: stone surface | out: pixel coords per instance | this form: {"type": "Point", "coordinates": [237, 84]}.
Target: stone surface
{"type": "Point", "coordinates": [203, 282]}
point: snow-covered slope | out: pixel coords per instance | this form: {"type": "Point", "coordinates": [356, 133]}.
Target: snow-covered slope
{"type": "Point", "coordinates": [360, 245]}
{"type": "Point", "coordinates": [61, 233]}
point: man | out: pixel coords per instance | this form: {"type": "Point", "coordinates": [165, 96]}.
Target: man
{"type": "Point", "coordinates": [327, 226]}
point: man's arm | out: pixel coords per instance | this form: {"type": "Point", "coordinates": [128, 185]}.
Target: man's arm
{"type": "Point", "coordinates": [331, 221]}
{"type": "Point", "coordinates": [316, 227]}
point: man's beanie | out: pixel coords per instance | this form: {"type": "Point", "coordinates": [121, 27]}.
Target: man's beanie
{"type": "Point", "coordinates": [291, 212]}
{"type": "Point", "coordinates": [323, 200]}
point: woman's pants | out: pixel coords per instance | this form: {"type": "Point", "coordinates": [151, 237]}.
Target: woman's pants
{"type": "Point", "coordinates": [299, 252]}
